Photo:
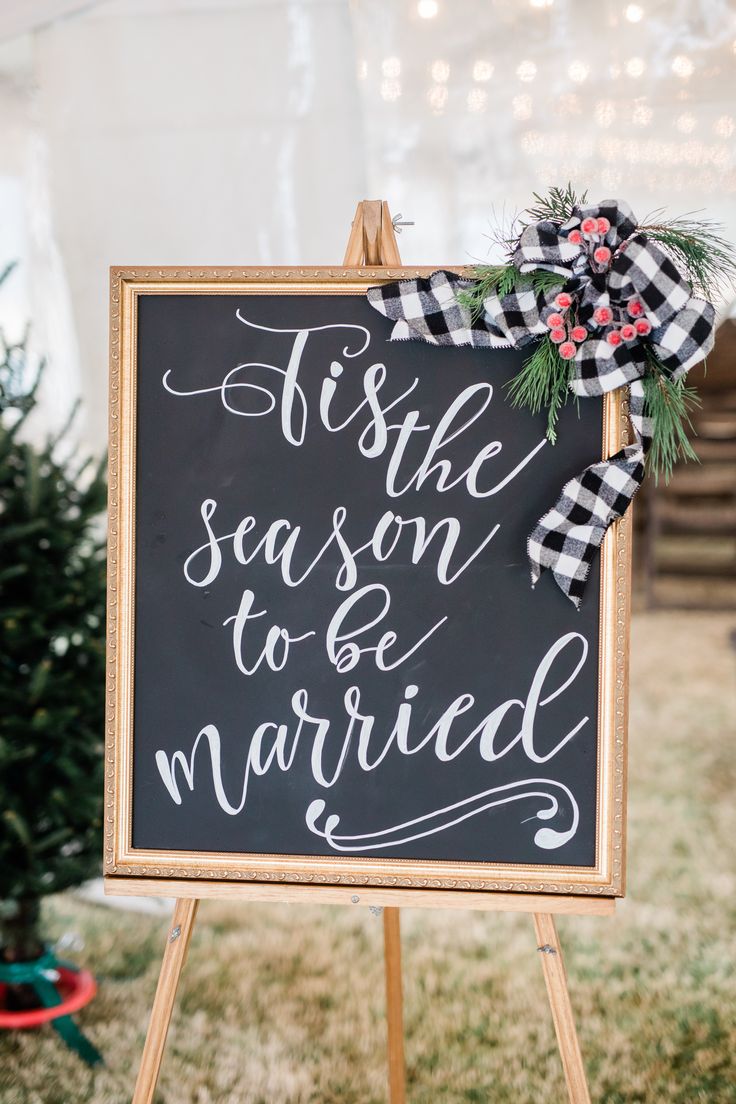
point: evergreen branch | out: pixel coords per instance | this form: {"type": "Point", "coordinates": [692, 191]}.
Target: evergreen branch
{"type": "Point", "coordinates": [543, 383]}
{"type": "Point", "coordinates": [668, 403]}
{"type": "Point", "coordinates": [696, 246]}
{"type": "Point", "coordinates": [501, 280]}
{"type": "Point", "coordinates": [556, 205]}
{"type": "Point", "coordinates": [488, 279]}
{"type": "Point", "coordinates": [541, 279]}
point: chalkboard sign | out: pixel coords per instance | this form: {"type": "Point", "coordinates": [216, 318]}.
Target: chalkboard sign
{"type": "Point", "coordinates": [327, 662]}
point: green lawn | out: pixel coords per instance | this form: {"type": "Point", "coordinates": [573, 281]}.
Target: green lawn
{"type": "Point", "coordinates": [280, 1005]}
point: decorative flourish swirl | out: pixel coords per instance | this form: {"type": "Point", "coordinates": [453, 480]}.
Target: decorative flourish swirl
{"type": "Point", "coordinates": [447, 817]}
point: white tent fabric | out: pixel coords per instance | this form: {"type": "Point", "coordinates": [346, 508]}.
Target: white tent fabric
{"type": "Point", "coordinates": [244, 131]}
{"type": "Point", "coordinates": [19, 17]}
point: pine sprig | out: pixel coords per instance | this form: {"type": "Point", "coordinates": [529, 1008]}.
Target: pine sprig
{"type": "Point", "coordinates": [697, 247]}
{"type": "Point", "coordinates": [488, 279]}
{"type": "Point", "coordinates": [541, 280]}
{"type": "Point", "coordinates": [556, 205]}
{"type": "Point", "coordinates": [668, 403]}
{"type": "Point", "coordinates": [501, 280]}
{"type": "Point", "coordinates": [543, 383]}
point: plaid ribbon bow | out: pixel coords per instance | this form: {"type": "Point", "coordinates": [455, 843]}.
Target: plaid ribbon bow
{"type": "Point", "coordinates": [628, 294]}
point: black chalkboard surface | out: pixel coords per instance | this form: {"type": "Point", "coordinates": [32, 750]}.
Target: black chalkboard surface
{"type": "Point", "coordinates": [336, 653]}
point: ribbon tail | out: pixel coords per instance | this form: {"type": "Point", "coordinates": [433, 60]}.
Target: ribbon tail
{"type": "Point", "coordinates": [428, 308]}
{"type": "Point", "coordinates": [567, 537]}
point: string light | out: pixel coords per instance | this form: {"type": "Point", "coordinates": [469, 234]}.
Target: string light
{"type": "Point", "coordinates": [605, 113]}
{"type": "Point", "coordinates": [437, 97]}
{"type": "Point", "coordinates": [532, 142]}
{"type": "Point", "coordinates": [390, 90]}
{"type": "Point", "coordinates": [641, 115]}
{"type": "Point", "coordinates": [427, 9]}
{"type": "Point", "coordinates": [526, 71]}
{"type": "Point", "coordinates": [724, 126]}
{"type": "Point", "coordinates": [694, 144]}
{"type": "Point", "coordinates": [682, 66]}
{"type": "Point", "coordinates": [578, 71]}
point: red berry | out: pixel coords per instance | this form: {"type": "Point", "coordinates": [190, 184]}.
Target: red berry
{"type": "Point", "coordinates": [567, 350]}
{"type": "Point", "coordinates": [563, 300]}
{"type": "Point", "coordinates": [614, 337]}
{"type": "Point", "coordinates": [589, 225]}
{"type": "Point", "coordinates": [642, 327]}
{"type": "Point", "coordinates": [554, 321]}
{"type": "Point", "coordinates": [634, 308]}
{"type": "Point", "coordinates": [628, 332]}
{"type": "Point", "coordinates": [575, 237]}
{"type": "Point", "coordinates": [603, 226]}
{"type": "Point", "coordinates": [557, 335]}
{"type": "Point", "coordinates": [602, 254]}
{"type": "Point", "coordinates": [578, 333]}
{"type": "Point", "coordinates": [602, 315]}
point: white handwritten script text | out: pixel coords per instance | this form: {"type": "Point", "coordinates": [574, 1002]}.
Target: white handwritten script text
{"type": "Point", "coordinates": [388, 426]}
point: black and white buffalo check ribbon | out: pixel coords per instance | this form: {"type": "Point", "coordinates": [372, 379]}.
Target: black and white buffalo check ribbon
{"type": "Point", "coordinates": [566, 539]}
{"type": "Point", "coordinates": [622, 267]}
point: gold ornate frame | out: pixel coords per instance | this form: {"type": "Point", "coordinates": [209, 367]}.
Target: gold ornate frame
{"type": "Point", "coordinates": [121, 860]}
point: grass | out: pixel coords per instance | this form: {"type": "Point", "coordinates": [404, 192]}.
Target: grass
{"type": "Point", "coordinates": [285, 1006]}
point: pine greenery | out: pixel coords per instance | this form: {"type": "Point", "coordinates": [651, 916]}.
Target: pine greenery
{"type": "Point", "coordinates": [556, 205]}
{"type": "Point", "coordinates": [543, 384]}
{"type": "Point", "coordinates": [697, 248]}
{"type": "Point", "coordinates": [668, 403]}
{"type": "Point", "coordinates": [52, 663]}
{"type": "Point", "coordinates": [502, 280]}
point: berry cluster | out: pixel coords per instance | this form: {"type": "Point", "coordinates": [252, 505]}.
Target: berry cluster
{"type": "Point", "coordinates": [629, 331]}
{"type": "Point", "coordinates": [566, 336]}
{"type": "Point", "coordinates": [591, 234]}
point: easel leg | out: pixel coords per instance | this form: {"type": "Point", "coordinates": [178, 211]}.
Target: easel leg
{"type": "Point", "coordinates": [373, 241]}
{"type": "Point", "coordinates": [394, 1006]}
{"type": "Point", "coordinates": [555, 978]}
{"type": "Point", "coordinates": [175, 954]}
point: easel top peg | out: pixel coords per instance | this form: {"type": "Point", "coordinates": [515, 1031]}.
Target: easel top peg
{"type": "Point", "coordinates": [372, 238]}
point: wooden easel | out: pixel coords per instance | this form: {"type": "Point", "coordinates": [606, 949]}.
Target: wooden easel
{"type": "Point", "coordinates": [372, 242]}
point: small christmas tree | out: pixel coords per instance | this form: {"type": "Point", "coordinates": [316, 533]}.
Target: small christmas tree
{"type": "Point", "coordinates": [52, 662]}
